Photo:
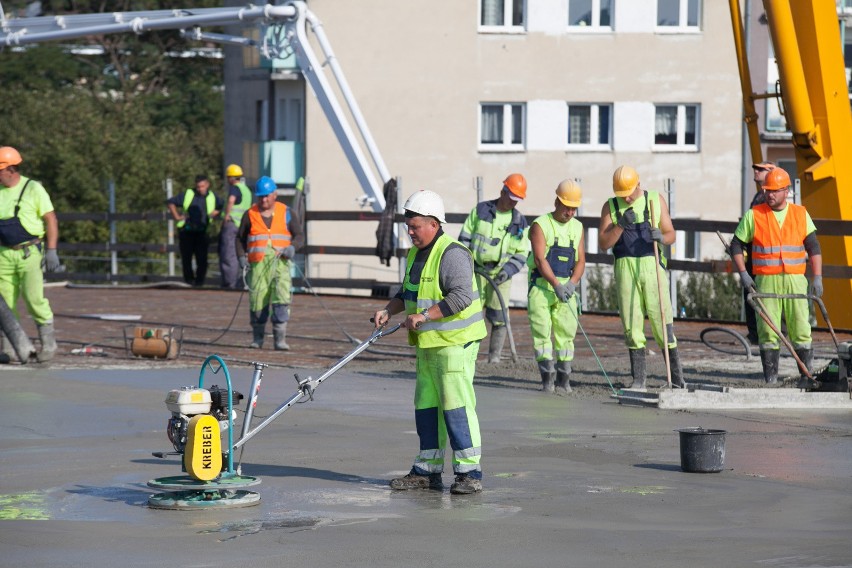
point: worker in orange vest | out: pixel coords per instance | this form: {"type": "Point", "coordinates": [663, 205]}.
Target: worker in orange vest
{"type": "Point", "coordinates": [783, 239]}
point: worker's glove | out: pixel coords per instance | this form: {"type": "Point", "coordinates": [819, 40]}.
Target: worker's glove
{"type": "Point", "coordinates": [816, 287]}
{"type": "Point", "coordinates": [243, 262]}
{"type": "Point", "coordinates": [51, 260]}
{"type": "Point", "coordinates": [289, 252]}
{"type": "Point", "coordinates": [657, 235]}
{"type": "Point", "coordinates": [628, 219]}
{"type": "Point", "coordinates": [746, 280]}
{"type": "Point", "coordinates": [565, 291]}
{"type": "Point", "coordinates": [501, 277]}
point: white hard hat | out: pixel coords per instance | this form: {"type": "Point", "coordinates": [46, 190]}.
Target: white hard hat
{"type": "Point", "coordinates": [427, 203]}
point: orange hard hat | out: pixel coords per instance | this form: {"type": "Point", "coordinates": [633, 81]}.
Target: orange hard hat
{"type": "Point", "coordinates": [9, 157]}
{"type": "Point", "coordinates": [517, 185]}
{"type": "Point", "coordinates": [775, 180]}
{"type": "Point", "coordinates": [624, 181]}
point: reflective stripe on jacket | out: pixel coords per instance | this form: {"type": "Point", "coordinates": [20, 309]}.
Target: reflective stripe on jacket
{"type": "Point", "coordinates": [260, 237]}
{"type": "Point", "coordinates": [188, 196]}
{"type": "Point", "coordinates": [457, 329]}
{"type": "Point", "coordinates": [239, 209]}
{"type": "Point", "coordinates": [779, 249]}
{"type": "Point", "coordinates": [495, 248]}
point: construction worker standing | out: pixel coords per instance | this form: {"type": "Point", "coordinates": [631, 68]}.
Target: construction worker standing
{"type": "Point", "coordinates": [198, 207]}
{"type": "Point", "coordinates": [556, 265]}
{"type": "Point", "coordinates": [631, 231]}
{"type": "Point", "coordinates": [495, 233]}
{"type": "Point", "coordinates": [444, 321]}
{"type": "Point", "coordinates": [783, 238]}
{"type": "Point", "coordinates": [28, 228]}
{"type": "Point", "coordinates": [237, 203]}
{"type": "Point", "coordinates": [760, 171]}
{"type": "Point", "coordinates": [267, 239]}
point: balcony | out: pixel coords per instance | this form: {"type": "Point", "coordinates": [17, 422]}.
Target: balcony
{"type": "Point", "coordinates": [281, 160]}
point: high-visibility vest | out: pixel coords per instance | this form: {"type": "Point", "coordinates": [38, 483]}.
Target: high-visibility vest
{"type": "Point", "coordinates": [239, 209]}
{"type": "Point", "coordinates": [776, 249]}
{"type": "Point", "coordinates": [492, 252]}
{"type": "Point", "coordinates": [635, 240]}
{"type": "Point", "coordinates": [457, 329]}
{"type": "Point", "coordinates": [562, 241]}
{"type": "Point", "coordinates": [188, 196]}
{"type": "Point", "coordinates": [260, 237]}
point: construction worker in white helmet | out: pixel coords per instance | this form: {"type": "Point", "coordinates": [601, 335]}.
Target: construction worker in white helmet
{"type": "Point", "coordinates": [630, 230]}
{"type": "Point", "coordinates": [495, 232]}
{"type": "Point", "coordinates": [445, 323]}
{"type": "Point", "coordinates": [236, 205]}
{"type": "Point", "coordinates": [783, 239]}
{"type": "Point", "coordinates": [29, 234]}
{"type": "Point", "coordinates": [556, 265]}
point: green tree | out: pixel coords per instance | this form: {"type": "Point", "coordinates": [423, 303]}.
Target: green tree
{"type": "Point", "coordinates": [711, 296]}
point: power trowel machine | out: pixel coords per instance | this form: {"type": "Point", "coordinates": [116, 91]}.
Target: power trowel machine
{"type": "Point", "coordinates": [200, 419]}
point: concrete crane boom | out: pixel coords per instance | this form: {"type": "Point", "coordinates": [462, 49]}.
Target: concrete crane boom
{"type": "Point", "coordinates": [292, 17]}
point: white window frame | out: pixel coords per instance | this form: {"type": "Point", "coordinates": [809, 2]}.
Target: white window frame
{"type": "Point", "coordinates": [594, 127]}
{"type": "Point", "coordinates": [680, 145]}
{"type": "Point", "coordinates": [505, 27]}
{"type": "Point", "coordinates": [506, 145]}
{"type": "Point", "coordinates": [682, 26]}
{"type": "Point", "coordinates": [596, 19]}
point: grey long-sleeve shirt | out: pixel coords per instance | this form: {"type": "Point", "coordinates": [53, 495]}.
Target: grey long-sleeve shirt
{"type": "Point", "coordinates": [455, 276]}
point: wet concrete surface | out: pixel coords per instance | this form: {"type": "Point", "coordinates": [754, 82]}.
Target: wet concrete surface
{"type": "Point", "coordinates": [576, 481]}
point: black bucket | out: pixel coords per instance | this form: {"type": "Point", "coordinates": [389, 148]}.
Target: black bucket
{"type": "Point", "coordinates": [702, 451]}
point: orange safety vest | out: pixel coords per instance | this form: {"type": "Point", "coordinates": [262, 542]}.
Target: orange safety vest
{"type": "Point", "coordinates": [777, 249]}
{"type": "Point", "coordinates": [260, 237]}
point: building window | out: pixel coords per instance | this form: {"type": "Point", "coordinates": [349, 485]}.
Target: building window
{"type": "Point", "coordinates": [502, 125]}
{"type": "Point", "coordinates": [589, 125]}
{"type": "Point", "coordinates": [682, 14]}
{"type": "Point", "coordinates": [501, 14]}
{"type": "Point", "coordinates": [676, 127]}
{"type": "Point", "coordinates": [590, 13]}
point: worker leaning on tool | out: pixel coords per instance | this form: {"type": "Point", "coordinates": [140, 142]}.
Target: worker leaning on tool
{"type": "Point", "coordinates": [628, 227]}
{"type": "Point", "coordinates": [28, 228]}
{"type": "Point", "coordinates": [783, 238]}
{"type": "Point", "coordinates": [445, 323]}
{"type": "Point", "coordinates": [556, 265]}
{"type": "Point", "coordinates": [495, 233]}
{"type": "Point", "coordinates": [236, 205]}
{"type": "Point", "coordinates": [267, 240]}
{"type": "Point", "coordinates": [760, 171]}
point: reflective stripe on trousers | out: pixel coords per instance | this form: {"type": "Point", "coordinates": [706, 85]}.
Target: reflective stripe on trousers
{"type": "Point", "coordinates": [445, 406]}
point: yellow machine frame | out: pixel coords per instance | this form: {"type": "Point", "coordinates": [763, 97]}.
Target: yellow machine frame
{"type": "Point", "coordinates": [808, 49]}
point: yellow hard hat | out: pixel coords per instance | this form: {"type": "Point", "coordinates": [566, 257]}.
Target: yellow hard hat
{"type": "Point", "coordinates": [624, 181]}
{"type": "Point", "coordinates": [234, 171]}
{"type": "Point", "coordinates": [9, 157]}
{"type": "Point", "coordinates": [569, 193]}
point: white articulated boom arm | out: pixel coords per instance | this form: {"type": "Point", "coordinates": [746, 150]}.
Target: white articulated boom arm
{"type": "Point", "coordinates": [293, 16]}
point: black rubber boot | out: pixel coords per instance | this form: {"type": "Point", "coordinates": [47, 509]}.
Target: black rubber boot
{"type": "Point", "coordinates": [677, 369]}
{"type": "Point", "coordinates": [258, 331]}
{"type": "Point", "coordinates": [807, 357]}
{"type": "Point", "coordinates": [769, 359]}
{"type": "Point", "coordinates": [548, 375]}
{"type": "Point", "coordinates": [495, 346]}
{"type": "Point", "coordinates": [637, 368]}
{"type": "Point", "coordinates": [563, 376]}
